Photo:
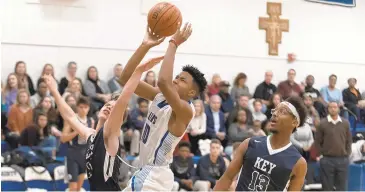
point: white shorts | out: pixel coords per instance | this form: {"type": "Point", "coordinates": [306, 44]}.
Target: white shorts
{"type": "Point", "coordinates": [151, 178]}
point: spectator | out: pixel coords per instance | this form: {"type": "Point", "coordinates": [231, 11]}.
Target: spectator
{"type": "Point", "coordinates": [97, 89]}
{"type": "Point", "coordinates": [20, 114]}
{"type": "Point", "coordinates": [24, 80]}
{"type": "Point", "coordinates": [183, 168]}
{"type": "Point", "coordinates": [274, 101]}
{"type": "Point", "coordinates": [215, 119]}
{"type": "Point", "coordinates": [289, 87]}
{"type": "Point", "coordinates": [239, 87]}
{"type": "Point", "coordinates": [10, 91]}
{"type": "Point", "coordinates": [74, 88]}
{"type": "Point", "coordinates": [227, 102]}
{"type": "Point", "coordinates": [150, 78]}
{"type": "Point", "coordinates": [214, 88]}
{"type": "Point", "coordinates": [197, 126]}
{"type": "Point", "coordinates": [71, 100]}
{"type": "Point", "coordinates": [113, 84]}
{"type": "Point", "coordinates": [47, 69]}
{"type": "Point", "coordinates": [330, 93]}
{"type": "Point", "coordinates": [71, 75]}
{"type": "Point", "coordinates": [242, 104]}
{"type": "Point", "coordinates": [266, 89]}
{"type": "Point", "coordinates": [138, 119]}
{"type": "Point", "coordinates": [351, 97]}
{"type": "Point", "coordinates": [313, 118]}
{"type": "Point", "coordinates": [315, 95]}
{"type": "Point", "coordinates": [211, 166]}
{"type": "Point", "coordinates": [358, 152]}
{"type": "Point", "coordinates": [39, 134]}
{"type": "Point", "coordinates": [42, 91]}
{"type": "Point", "coordinates": [302, 139]}
{"type": "Point", "coordinates": [257, 113]}
{"type": "Point", "coordinates": [333, 141]}
{"type": "Point", "coordinates": [238, 131]}
{"type": "Point", "coordinates": [45, 107]}
{"type": "Point", "coordinates": [257, 130]}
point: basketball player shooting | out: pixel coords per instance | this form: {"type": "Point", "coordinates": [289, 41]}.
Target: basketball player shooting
{"type": "Point", "coordinates": [101, 163]}
{"type": "Point", "coordinates": [169, 114]}
{"type": "Point", "coordinates": [270, 163]}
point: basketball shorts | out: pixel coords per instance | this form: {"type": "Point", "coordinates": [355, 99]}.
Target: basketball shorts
{"type": "Point", "coordinates": [76, 165]}
{"type": "Point", "coordinates": [151, 178]}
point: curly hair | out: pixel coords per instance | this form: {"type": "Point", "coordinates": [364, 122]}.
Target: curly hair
{"type": "Point", "coordinates": [198, 76]}
{"type": "Point", "coordinates": [298, 103]}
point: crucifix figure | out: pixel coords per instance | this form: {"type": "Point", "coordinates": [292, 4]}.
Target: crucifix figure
{"type": "Point", "coordinates": [273, 27]}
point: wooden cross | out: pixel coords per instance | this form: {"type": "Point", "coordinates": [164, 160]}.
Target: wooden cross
{"type": "Point", "coordinates": [273, 27]}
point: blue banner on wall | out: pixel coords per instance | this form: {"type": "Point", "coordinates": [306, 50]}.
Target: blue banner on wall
{"type": "Point", "coordinates": [346, 3]}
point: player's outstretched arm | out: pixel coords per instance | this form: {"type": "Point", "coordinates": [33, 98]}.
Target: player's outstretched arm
{"type": "Point", "coordinates": [224, 183]}
{"type": "Point", "coordinates": [143, 89]}
{"type": "Point", "coordinates": [66, 112]}
{"type": "Point", "coordinates": [115, 120]}
{"type": "Point", "coordinates": [298, 175]}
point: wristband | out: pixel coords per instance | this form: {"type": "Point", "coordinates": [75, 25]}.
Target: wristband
{"type": "Point", "coordinates": [174, 42]}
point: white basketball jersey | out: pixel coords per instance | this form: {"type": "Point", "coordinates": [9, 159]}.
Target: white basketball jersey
{"type": "Point", "coordinates": [157, 143]}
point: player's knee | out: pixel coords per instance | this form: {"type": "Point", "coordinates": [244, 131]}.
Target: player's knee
{"type": "Point", "coordinates": [176, 186]}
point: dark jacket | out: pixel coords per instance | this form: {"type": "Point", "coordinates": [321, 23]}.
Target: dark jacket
{"type": "Point", "coordinates": [208, 171]}
{"type": "Point", "coordinates": [183, 170]}
{"type": "Point", "coordinates": [210, 133]}
{"type": "Point", "coordinates": [227, 102]}
{"type": "Point", "coordinates": [350, 99]}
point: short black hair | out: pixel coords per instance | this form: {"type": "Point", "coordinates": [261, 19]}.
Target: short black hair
{"type": "Point", "coordinates": [298, 103]}
{"type": "Point", "coordinates": [141, 100]}
{"type": "Point", "coordinates": [215, 141]}
{"type": "Point", "coordinates": [198, 77]}
{"type": "Point", "coordinates": [83, 100]}
{"type": "Point", "coordinates": [184, 144]}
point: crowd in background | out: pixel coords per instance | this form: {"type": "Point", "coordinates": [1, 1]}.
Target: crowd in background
{"type": "Point", "coordinates": [226, 114]}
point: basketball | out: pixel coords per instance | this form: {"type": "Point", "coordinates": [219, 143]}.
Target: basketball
{"type": "Point", "coordinates": [164, 18]}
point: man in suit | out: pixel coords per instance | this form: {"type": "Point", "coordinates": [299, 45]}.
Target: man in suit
{"type": "Point", "coordinates": [215, 120]}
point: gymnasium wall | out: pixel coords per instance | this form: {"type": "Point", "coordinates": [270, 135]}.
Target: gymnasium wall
{"type": "Point", "coordinates": [226, 39]}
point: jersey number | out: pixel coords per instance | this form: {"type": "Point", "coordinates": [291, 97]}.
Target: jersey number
{"type": "Point", "coordinates": [259, 182]}
{"type": "Point", "coordinates": [146, 132]}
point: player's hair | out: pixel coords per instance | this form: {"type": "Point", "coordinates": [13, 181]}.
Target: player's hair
{"type": "Point", "coordinates": [215, 141]}
{"type": "Point", "coordinates": [298, 103]}
{"type": "Point", "coordinates": [83, 101]}
{"type": "Point", "coordinates": [141, 100]}
{"type": "Point", "coordinates": [184, 144]}
{"type": "Point", "coordinates": [198, 77]}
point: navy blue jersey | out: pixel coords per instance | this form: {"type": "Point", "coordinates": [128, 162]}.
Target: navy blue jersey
{"type": "Point", "coordinates": [101, 168]}
{"type": "Point", "coordinates": [266, 169]}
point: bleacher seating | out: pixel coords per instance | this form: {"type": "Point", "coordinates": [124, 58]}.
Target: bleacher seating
{"type": "Point", "coordinates": [11, 180]}
{"type": "Point", "coordinates": [38, 177]}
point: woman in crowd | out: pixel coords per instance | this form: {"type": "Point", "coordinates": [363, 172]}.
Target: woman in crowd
{"type": "Point", "coordinates": [97, 89]}
{"type": "Point", "coordinates": [150, 78]}
{"type": "Point", "coordinates": [273, 102]}
{"type": "Point", "coordinates": [238, 131]}
{"type": "Point", "coordinates": [49, 70]}
{"type": "Point", "coordinates": [45, 107]}
{"type": "Point", "coordinates": [74, 88]}
{"type": "Point", "coordinates": [71, 100]}
{"type": "Point", "coordinates": [213, 88]}
{"type": "Point", "coordinates": [197, 126]}
{"type": "Point", "coordinates": [10, 91]}
{"type": "Point", "coordinates": [42, 91]}
{"type": "Point", "coordinates": [71, 75]}
{"type": "Point", "coordinates": [239, 87]}
{"type": "Point", "coordinates": [24, 80]}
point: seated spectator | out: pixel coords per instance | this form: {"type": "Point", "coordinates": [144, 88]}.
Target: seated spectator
{"type": "Point", "coordinates": [315, 95]}
{"type": "Point", "coordinates": [197, 126]}
{"type": "Point", "coordinates": [358, 152]}
{"type": "Point", "coordinates": [39, 134]}
{"type": "Point", "coordinates": [183, 168]}
{"type": "Point", "coordinates": [215, 119]}
{"type": "Point", "coordinates": [45, 107]}
{"type": "Point", "coordinates": [227, 102]}
{"type": "Point", "coordinates": [239, 87]}
{"type": "Point", "coordinates": [138, 119]}
{"type": "Point", "coordinates": [74, 88]}
{"type": "Point", "coordinates": [150, 78]}
{"type": "Point", "coordinates": [330, 93]}
{"type": "Point", "coordinates": [24, 80]}
{"type": "Point", "coordinates": [242, 104]}
{"type": "Point", "coordinates": [313, 118]}
{"type": "Point", "coordinates": [302, 139]}
{"type": "Point", "coordinates": [10, 91]}
{"type": "Point", "coordinates": [289, 87]}
{"type": "Point", "coordinates": [113, 84]}
{"type": "Point", "coordinates": [71, 75]}
{"type": "Point", "coordinates": [71, 100]}
{"type": "Point", "coordinates": [273, 102]}
{"type": "Point", "coordinates": [49, 70]}
{"type": "Point", "coordinates": [97, 89]}
{"type": "Point", "coordinates": [211, 166]}
{"type": "Point", "coordinates": [257, 113]}
{"type": "Point", "coordinates": [214, 87]}
{"type": "Point", "coordinates": [42, 91]}
{"type": "Point", "coordinates": [256, 130]}
{"type": "Point", "coordinates": [266, 89]}
{"type": "Point", "coordinates": [238, 131]}
{"type": "Point", "coordinates": [351, 97]}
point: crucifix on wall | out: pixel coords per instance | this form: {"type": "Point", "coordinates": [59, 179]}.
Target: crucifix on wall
{"type": "Point", "coordinates": [273, 26]}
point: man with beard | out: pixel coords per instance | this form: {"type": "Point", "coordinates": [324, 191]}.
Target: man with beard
{"type": "Point", "coordinates": [316, 96]}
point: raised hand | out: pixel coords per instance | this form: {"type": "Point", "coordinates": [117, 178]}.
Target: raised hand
{"type": "Point", "coordinates": [147, 65]}
{"type": "Point", "coordinates": [50, 82]}
{"type": "Point", "coordinates": [151, 39]}
{"type": "Point", "coordinates": [182, 35]}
